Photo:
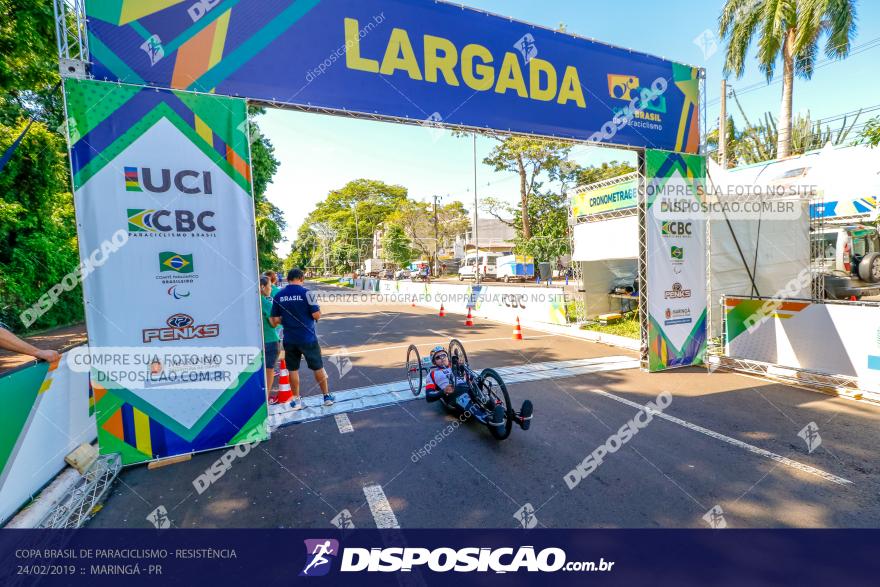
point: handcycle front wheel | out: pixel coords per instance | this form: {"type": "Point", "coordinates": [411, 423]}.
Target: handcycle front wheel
{"type": "Point", "coordinates": [414, 374]}
{"type": "Point", "coordinates": [494, 387]}
{"type": "Point", "coordinates": [456, 349]}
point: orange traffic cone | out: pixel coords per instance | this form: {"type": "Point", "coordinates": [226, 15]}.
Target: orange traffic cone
{"type": "Point", "coordinates": [517, 330]}
{"type": "Point", "coordinates": [442, 311]}
{"type": "Point", "coordinates": [470, 319]}
{"type": "Point", "coordinates": [284, 392]}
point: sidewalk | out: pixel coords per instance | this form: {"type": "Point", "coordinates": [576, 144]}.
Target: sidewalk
{"type": "Point", "coordinates": [58, 339]}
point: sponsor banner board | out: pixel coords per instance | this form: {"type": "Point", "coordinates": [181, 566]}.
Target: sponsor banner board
{"type": "Point", "coordinates": [834, 339]}
{"type": "Point", "coordinates": [166, 234]}
{"type": "Point", "coordinates": [676, 261]}
{"type": "Point", "coordinates": [48, 411]}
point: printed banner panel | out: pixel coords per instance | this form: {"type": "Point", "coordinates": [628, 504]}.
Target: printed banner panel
{"type": "Point", "coordinates": [835, 339]}
{"type": "Point", "coordinates": [431, 62]}
{"type": "Point", "coordinates": [676, 259]}
{"type": "Point", "coordinates": [504, 303]}
{"type": "Point", "coordinates": [166, 235]}
{"type": "Point", "coordinates": [48, 411]}
{"type": "Point", "coordinates": [606, 199]}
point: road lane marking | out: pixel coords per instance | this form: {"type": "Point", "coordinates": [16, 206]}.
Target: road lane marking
{"type": "Point", "coordinates": [379, 506]}
{"type": "Point", "coordinates": [739, 443]}
{"type": "Point", "coordinates": [385, 394]}
{"type": "Point", "coordinates": [431, 344]}
{"type": "Point", "coordinates": [344, 424]}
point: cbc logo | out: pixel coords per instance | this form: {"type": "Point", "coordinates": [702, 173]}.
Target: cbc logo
{"type": "Point", "coordinates": [621, 86]}
{"type": "Point", "coordinates": [677, 228]}
{"type": "Point", "coordinates": [514, 301]}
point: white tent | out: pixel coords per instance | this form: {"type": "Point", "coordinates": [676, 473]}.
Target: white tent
{"type": "Point", "coordinates": [754, 254]}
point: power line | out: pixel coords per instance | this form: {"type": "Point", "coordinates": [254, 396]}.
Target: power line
{"type": "Point", "coordinates": [777, 79]}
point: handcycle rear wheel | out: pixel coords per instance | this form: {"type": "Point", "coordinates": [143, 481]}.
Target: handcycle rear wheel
{"type": "Point", "coordinates": [414, 374]}
{"type": "Point", "coordinates": [494, 387]}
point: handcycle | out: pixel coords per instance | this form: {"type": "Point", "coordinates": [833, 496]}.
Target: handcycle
{"type": "Point", "coordinates": [485, 389]}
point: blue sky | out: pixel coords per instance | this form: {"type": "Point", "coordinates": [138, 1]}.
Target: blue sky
{"type": "Point", "coordinates": [320, 153]}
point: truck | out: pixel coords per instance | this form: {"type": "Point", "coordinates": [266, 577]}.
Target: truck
{"type": "Point", "coordinates": [847, 257]}
{"type": "Point", "coordinates": [514, 268]}
{"type": "Point", "coordinates": [486, 266]}
{"type": "Point", "coordinates": [373, 267]}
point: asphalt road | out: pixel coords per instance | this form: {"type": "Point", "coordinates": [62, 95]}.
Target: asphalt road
{"type": "Point", "coordinates": [728, 442]}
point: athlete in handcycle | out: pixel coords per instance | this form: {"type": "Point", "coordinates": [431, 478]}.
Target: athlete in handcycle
{"type": "Point", "coordinates": [462, 390]}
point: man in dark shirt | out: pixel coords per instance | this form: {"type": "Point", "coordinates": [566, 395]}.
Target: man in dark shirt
{"type": "Point", "coordinates": [294, 310]}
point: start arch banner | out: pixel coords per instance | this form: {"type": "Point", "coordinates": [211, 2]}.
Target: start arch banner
{"type": "Point", "coordinates": [165, 219]}
{"type": "Point", "coordinates": [423, 60]}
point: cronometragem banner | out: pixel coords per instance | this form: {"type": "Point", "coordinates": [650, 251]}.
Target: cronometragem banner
{"type": "Point", "coordinates": [426, 61]}
{"type": "Point", "coordinates": [675, 222]}
{"type": "Point", "coordinates": [165, 220]}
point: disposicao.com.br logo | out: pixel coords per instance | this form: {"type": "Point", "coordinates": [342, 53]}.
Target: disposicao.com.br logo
{"type": "Point", "coordinates": [321, 552]}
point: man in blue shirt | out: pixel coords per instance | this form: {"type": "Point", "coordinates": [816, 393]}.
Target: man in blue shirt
{"type": "Point", "coordinates": [293, 309]}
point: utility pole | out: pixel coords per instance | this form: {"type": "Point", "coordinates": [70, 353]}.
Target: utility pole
{"type": "Point", "coordinates": [436, 239]}
{"type": "Point", "coordinates": [722, 126]}
{"type": "Point", "coordinates": [476, 218]}
{"type": "Point", "coordinates": [357, 235]}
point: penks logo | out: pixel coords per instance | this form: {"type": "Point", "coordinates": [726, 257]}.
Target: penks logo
{"type": "Point", "coordinates": [175, 262]}
{"type": "Point", "coordinates": [131, 180]}
{"type": "Point", "coordinates": [319, 555]}
{"type": "Point", "coordinates": [677, 292]}
{"type": "Point", "coordinates": [628, 88]}
{"type": "Point", "coordinates": [186, 182]}
{"type": "Point", "coordinates": [180, 327]}
{"type": "Point", "coordinates": [143, 222]}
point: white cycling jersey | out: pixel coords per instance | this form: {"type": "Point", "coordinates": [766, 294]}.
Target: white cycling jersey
{"type": "Point", "coordinates": [443, 377]}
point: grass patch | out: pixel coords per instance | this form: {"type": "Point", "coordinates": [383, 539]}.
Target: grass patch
{"type": "Point", "coordinates": [331, 281]}
{"type": "Point", "coordinates": [628, 327]}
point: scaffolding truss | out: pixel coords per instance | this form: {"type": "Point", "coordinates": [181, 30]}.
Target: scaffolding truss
{"type": "Point", "coordinates": [79, 505]}
{"type": "Point", "coordinates": [72, 38]}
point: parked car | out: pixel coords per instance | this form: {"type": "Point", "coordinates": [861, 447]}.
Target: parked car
{"type": "Point", "coordinates": [402, 274]}
{"type": "Point", "coordinates": [386, 274]}
{"type": "Point", "coordinates": [848, 258]}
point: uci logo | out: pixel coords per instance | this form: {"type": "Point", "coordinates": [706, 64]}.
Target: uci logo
{"type": "Point", "coordinates": [158, 221]}
{"type": "Point", "coordinates": [186, 182]}
{"type": "Point", "coordinates": [677, 228]}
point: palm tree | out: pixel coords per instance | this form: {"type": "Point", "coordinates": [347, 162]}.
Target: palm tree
{"type": "Point", "coordinates": [790, 29]}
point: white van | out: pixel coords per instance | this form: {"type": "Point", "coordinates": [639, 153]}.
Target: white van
{"type": "Point", "coordinates": [486, 266]}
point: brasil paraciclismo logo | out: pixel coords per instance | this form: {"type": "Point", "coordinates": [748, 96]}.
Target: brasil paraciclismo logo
{"type": "Point", "coordinates": [131, 180]}
{"type": "Point", "coordinates": [677, 253]}
{"type": "Point", "coordinates": [319, 556]}
{"type": "Point", "coordinates": [140, 220]}
{"type": "Point", "coordinates": [176, 262]}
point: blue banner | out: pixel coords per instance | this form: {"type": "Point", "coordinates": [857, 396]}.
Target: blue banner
{"type": "Point", "coordinates": [440, 557]}
{"type": "Point", "coordinates": [430, 62]}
